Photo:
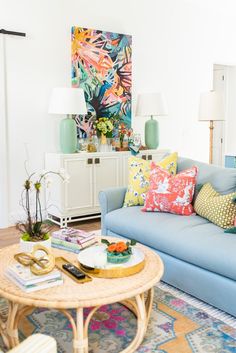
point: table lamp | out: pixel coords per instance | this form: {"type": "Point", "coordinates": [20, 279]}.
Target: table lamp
{"type": "Point", "coordinates": [211, 109]}
{"type": "Point", "coordinates": [68, 101]}
{"type": "Point", "coordinates": [151, 104]}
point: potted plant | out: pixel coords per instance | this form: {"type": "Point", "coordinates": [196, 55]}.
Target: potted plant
{"type": "Point", "coordinates": [118, 253]}
{"type": "Point", "coordinates": [34, 229]}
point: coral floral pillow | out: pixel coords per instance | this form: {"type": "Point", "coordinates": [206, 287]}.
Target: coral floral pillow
{"type": "Point", "coordinates": [168, 193]}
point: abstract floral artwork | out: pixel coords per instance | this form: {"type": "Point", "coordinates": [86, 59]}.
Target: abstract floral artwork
{"type": "Point", "coordinates": [102, 66]}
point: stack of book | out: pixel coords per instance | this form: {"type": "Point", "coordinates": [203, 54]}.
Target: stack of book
{"type": "Point", "coordinates": [28, 282]}
{"type": "Point", "coordinates": [72, 240]}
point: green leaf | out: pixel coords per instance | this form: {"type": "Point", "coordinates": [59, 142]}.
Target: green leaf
{"type": "Point", "coordinates": [105, 241]}
{"type": "Point", "coordinates": [133, 242]}
{"type": "Point", "coordinates": [25, 237]}
{"type": "Point", "coordinates": [46, 236]}
{"type": "Point", "coordinates": [37, 226]}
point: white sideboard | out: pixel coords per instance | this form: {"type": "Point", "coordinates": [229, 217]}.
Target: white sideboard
{"type": "Point", "coordinates": [88, 174]}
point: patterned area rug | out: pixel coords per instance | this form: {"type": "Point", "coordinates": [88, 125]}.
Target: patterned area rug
{"type": "Point", "coordinates": [176, 326]}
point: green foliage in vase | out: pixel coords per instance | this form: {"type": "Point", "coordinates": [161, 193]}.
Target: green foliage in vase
{"type": "Point", "coordinates": [35, 228]}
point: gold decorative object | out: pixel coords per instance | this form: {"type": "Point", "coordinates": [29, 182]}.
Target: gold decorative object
{"type": "Point", "coordinates": [38, 265]}
{"type": "Point", "coordinates": [91, 147]}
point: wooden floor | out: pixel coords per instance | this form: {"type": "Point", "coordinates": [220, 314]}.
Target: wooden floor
{"type": "Point", "coordinates": [10, 235]}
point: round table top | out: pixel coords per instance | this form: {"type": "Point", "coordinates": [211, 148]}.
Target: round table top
{"type": "Point", "coordinates": [70, 294]}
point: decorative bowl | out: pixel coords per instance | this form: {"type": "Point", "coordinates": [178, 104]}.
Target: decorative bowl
{"type": "Point", "coordinates": [117, 258]}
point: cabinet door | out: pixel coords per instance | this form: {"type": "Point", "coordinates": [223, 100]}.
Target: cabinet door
{"type": "Point", "coordinates": [125, 169]}
{"type": "Point", "coordinates": [79, 189]}
{"type": "Point", "coordinates": [107, 173]}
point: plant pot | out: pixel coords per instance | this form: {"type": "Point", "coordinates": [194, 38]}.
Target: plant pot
{"type": "Point", "coordinates": [27, 246]}
{"type": "Point", "coordinates": [117, 259]}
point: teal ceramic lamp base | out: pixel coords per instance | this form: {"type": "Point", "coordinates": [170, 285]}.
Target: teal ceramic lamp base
{"type": "Point", "coordinates": [152, 134]}
{"type": "Point", "coordinates": [68, 135]}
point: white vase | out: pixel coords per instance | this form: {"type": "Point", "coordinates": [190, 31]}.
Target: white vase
{"type": "Point", "coordinates": [27, 246]}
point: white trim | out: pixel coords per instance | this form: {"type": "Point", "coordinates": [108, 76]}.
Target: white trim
{"type": "Point", "coordinates": [4, 145]}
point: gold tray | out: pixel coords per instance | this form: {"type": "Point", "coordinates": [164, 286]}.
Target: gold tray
{"type": "Point", "coordinates": [116, 272]}
{"type": "Point", "coordinates": [60, 261]}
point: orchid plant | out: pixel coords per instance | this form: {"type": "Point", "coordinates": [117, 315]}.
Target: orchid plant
{"type": "Point", "coordinates": [35, 228]}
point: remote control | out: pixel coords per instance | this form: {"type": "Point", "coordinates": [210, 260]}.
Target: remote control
{"type": "Point", "coordinates": [74, 271]}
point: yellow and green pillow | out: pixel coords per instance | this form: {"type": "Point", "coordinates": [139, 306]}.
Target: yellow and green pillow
{"type": "Point", "coordinates": [139, 175]}
{"type": "Point", "coordinates": [218, 209]}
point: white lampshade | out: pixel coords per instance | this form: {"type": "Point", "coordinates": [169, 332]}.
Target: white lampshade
{"type": "Point", "coordinates": [66, 100]}
{"type": "Point", "coordinates": [151, 104]}
{"type": "Point", "coordinates": [211, 107]}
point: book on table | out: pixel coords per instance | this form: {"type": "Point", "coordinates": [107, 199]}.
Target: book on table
{"type": "Point", "coordinates": [75, 236]}
{"type": "Point", "coordinates": [65, 245]}
{"type": "Point", "coordinates": [72, 240]}
{"type": "Point", "coordinates": [28, 282]}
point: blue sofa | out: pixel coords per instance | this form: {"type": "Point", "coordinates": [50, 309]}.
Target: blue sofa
{"type": "Point", "coordinates": [199, 257]}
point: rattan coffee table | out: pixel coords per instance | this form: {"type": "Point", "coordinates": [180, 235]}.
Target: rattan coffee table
{"type": "Point", "coordinates": [135, 292]}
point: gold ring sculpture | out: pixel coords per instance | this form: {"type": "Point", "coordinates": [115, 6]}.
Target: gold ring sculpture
{"type": "Point", "coordinates": [38, 265]}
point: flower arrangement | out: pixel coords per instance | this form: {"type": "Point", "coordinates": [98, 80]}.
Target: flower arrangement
{"type": "Point", "coordinates": [34, 228]}
{"type": "Point", "coordinates": [124, 131]}
{"type": "Point", "coordinates": [104, 126]}
{"type": "Point", "coordinates": [119, 252]}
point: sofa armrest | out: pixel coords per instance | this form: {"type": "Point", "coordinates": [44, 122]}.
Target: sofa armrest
{"type": "Point", "coordinates": [37, 343]}
{"type": "Point", "coordinates": [110, 200]}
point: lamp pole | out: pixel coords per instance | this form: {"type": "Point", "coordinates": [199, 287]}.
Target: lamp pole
{"type": "Point", "coordinates": [211, 127]}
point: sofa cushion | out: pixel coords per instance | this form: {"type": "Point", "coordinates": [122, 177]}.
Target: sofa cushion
{"type": "Point", "coordinates": [170, 193]}
{"type": "Point", "coordinates": [222, 179]}
{"type": "Point", "coordinates": [190, 238]}
{"type": "Point", "coordinates": [139, 174]}
{"type": "Point", "coordinates": [218, 209]}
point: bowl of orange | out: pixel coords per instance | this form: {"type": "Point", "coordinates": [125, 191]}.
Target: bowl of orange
{"type": "Point", "coordinates": [120, 252]}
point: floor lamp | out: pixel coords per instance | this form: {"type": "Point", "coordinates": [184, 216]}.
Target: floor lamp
{"type": "Point", "coordinates": [211, 109]}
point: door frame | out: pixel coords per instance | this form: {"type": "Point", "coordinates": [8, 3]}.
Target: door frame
{"type": "Point", "coordinates": [4, 139]}
{"type": "Point", "coordinates": [227, 66]}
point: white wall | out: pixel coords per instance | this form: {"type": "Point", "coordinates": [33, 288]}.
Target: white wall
{"type": "Point", "coordinates": [175, 43]}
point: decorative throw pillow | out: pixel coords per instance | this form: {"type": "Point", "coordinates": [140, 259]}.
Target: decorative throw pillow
{"type": "Point", "coordinates": [170, 193]}
{"type": "Point", "coordinates": [230, 230]}
{"type": "Point", "coordinates": [218, 209]}
{"type": "Point", "coordinates": [139, 174]}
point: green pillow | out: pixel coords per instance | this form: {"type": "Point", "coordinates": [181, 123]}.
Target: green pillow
{"type": "Point", "coordinates": [218, 209]}
{"type": "Point", "coordinates": [230, 230]}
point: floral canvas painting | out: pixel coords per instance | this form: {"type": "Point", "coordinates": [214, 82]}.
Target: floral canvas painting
{"type": "Point", "coordinates": [102, 66]}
